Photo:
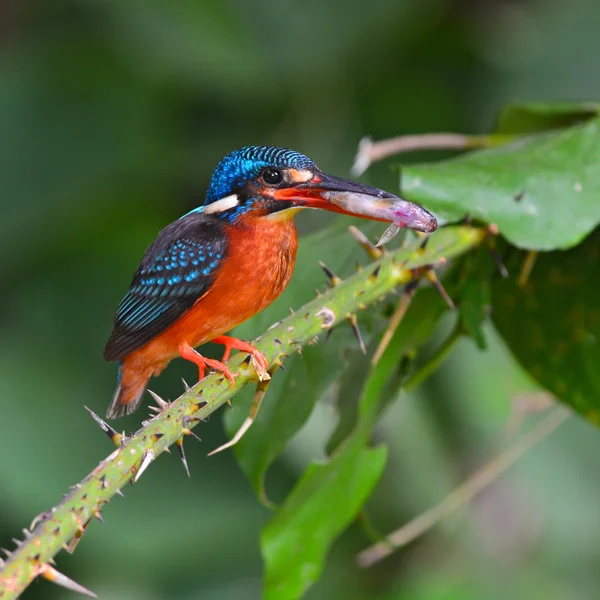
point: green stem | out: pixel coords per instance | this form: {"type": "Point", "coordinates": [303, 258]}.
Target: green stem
{"type": "Point", "coordinates": [429, 367]}
{"type": "Point", "coordinates": [69, 518]}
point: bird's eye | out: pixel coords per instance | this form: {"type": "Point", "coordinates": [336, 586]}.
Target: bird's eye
{"type": "Point", "coordinates": [272, 176]}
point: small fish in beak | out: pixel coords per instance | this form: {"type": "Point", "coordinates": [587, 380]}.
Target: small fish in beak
{"type": "Point", "coordinates": [398, 212]}
{"type": "Point", "coordinates": [335, 194]}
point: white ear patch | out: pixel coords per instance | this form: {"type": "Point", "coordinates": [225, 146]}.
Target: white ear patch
{"type": "Point", "coordinates": [300, 176]}
{"type": "Point", "coordinates": [221, 205]}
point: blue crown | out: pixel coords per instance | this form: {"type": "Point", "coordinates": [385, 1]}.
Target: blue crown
{"type": "Point", "coordinates": [246, 163]}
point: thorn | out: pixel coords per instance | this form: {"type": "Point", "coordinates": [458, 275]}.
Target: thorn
{"type": "Point", "coordinates": [193, 419]}
{"type": "Point", "coordinates": [291, 310]}
{"type": "Point", "coordinates": [499, 263]}
{"type": "Point", "coordinates": [228, 402]}
{"type": "Point", "coordinates": [333, 278]}
{"type": "Point", "coordinates": [6, 552]}
{"type": "Point", "coordinates": [51, 574]}
{"type": "Point", "coordinates": [354, 325]}
{"type": "Point", "coordinates": [146, 460]}
{"type": "Point", "coordinates": [98, 516]}
{"type": "Point", "coordinates": [440, 288]}
{"type": "Point", "coordinates": [120, 493]}
{"type": "Point", "coordinates": [179, 444]}
{"type": "Point", "coordinates": [70, 547]}
{"type": "Point", "coordinates": [373, 276]}
{"type": "Point", "coordinates": [161, 403]}
{"type": "Point", "coordinates": [328, 333]}
{"type": "Point", "coordinates": [364, 241]}
{"type": "Point", "coordinates": [187, 431]}
{"type": "Point", "coordinates": [186, 387]}
{"type": "Point", "coordinates": [116, 438]}
{"type": "Point", "coordinates": [260, 371]}
{"type": "Point", "coordinates": [199, 405]}
{"type": "Point", "coordinates": [41, 517]}
{"type": "Point", "coordinates": [318, 293]}
{"type": "Point", "coordinates": [423, 244]}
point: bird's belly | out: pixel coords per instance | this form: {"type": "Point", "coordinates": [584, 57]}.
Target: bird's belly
{"type": "Point", "coordinates": [257, 269]}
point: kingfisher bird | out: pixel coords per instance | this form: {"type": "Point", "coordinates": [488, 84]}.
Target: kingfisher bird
{"type": "Point", "coordinates": [222, 263]}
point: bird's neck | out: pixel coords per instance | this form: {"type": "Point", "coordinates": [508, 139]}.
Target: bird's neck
{"type": "Point", "coordinates": [273, 227]}
{"type": "Point", "coordinates": [265, 250]}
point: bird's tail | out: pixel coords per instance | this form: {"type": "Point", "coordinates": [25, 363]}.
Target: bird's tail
{"type": "Point", "coordinates": [127, 396]}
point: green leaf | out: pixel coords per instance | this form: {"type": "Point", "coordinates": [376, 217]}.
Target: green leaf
{"type": "Point", "coordinates": [324, 502]}
{"type": "Point", "coordinates": [330, 495]}
{"type": "Point", "coordinates": [535, 117]}
{"type": "Point", "coordinates": [413, 331]}
{"type": "Point", "coordinates": [473, 290]}
{"type": "Point", "coordinates": [295, 543]}
{"type": "Point", "coordinates": [552, 324]}
{"type": "Point", "coordinates": [474, 303]}
{"type": "Point", "coordinates": [347, 399]}
{"type": "Point", "coordinates": [541, 190]}
{"type": "Point", "coordinates": [288, 403]}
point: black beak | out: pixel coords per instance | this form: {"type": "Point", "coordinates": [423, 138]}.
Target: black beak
{"type": "Point", "coordinates": [336, 194]}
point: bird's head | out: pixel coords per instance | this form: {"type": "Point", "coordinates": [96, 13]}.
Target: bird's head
{"type": "Point", "coordinates": [276, 182]}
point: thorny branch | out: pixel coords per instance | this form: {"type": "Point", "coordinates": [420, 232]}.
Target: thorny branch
{"type": "Point", "coordinates": [64, 524]}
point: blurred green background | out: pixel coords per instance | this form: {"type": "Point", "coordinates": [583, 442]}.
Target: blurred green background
{"type": "Point", "coordinates": [112, 116]}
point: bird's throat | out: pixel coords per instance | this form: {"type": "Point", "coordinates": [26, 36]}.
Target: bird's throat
{"type": "Point", "coordinates": [284, 215]}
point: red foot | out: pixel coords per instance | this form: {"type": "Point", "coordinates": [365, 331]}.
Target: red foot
{"type": "Point", "coordinates": [232, 343]}
{"type": "Point", "coordinates": [190, 354]}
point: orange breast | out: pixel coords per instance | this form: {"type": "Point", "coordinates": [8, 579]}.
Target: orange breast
{"type": "Point", "coordinates": [258, 267]}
